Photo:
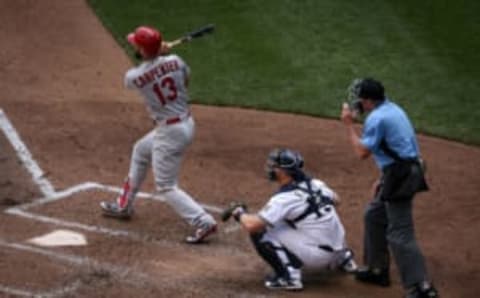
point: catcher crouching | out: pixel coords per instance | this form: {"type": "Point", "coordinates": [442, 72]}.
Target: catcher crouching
{"type": "Point", "coordinates": [298, 229]}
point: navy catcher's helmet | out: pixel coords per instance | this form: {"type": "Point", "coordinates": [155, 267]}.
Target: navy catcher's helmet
{"type": "Point", "coordinates": [288, 160]}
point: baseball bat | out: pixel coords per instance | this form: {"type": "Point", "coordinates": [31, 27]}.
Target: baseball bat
{"type": "Point", "coordinates": [191, 35]}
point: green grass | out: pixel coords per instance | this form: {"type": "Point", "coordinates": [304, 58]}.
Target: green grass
{"type": "Point", "coordinates": [300, 55]}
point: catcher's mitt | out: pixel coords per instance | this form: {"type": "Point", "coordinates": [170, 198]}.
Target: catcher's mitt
{"type": "Point", "coordinates": [234, 207]}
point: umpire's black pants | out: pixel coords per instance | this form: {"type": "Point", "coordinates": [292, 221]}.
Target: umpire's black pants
{"type": "Point", "coordinates": [391, 224]}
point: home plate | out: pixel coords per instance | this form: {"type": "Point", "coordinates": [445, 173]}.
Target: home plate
{"type": "Point", "coordinates": [60, 238]}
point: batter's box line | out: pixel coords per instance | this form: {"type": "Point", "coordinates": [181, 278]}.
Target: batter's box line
{"type": "Point", "coordinates": [25, 156]}
{"type": "Point", "coordinates": [57, 292]}
{"type": "Point", "coordinates": [129, 276]}
{"type": "Point", "coordinates": [59, 195]}
{"type": "Point", "coordinates": [22, 211]}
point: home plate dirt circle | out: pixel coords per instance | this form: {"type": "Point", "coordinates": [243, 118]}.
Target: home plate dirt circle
{"type": "Point", "coordinates": [66, 100]}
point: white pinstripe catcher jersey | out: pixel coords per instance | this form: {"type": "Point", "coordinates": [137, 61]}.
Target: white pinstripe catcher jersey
{"type": "Point", "coordinates": [290, 202]}
{"type": "Point", "coordinates": [162, 84]}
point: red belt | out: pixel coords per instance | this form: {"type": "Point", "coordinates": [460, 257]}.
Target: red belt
{"type": "Point", "coordinates": [173, 120]}
{"type": "Point", "coordinates": [176, 119]}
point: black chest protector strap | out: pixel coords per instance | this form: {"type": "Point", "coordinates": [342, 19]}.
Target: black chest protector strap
{"type": "Point", "coordinates": [315, 200]}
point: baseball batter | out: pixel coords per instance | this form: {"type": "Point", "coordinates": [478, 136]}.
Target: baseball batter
{"type": "Point", "coordinates": [298, 229]}
{"type": "Point", "coordinates": [162, 80]}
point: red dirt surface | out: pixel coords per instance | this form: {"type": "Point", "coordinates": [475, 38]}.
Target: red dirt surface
{"type": "Point", "coordinates": [61, 75]}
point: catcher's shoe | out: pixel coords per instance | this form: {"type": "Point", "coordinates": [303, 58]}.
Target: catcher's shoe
{"type": "Point", "coordinates": [281, 283]}
{"type": "Point", "coordinates": [201, 233]}
{"type": "Point", "coordinates": [112, 209]}
{"type": "Point", "coordinates": [348, 264]}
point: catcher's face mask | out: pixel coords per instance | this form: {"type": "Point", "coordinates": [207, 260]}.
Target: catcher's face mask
{"type": "Point", "coordinates": [283, 159]}
{"type": "Point", "coordinates": [271, 174]}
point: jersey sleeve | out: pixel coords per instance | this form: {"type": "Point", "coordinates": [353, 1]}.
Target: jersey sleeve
{"type": "Point", "coordinates": [183, 66]}
{"type": "Point", "coordinates": [128, 80]}
{"type": "Point", "coordinates": [372, 133]}
{"type": "Point", "coordinates": [274, 211]}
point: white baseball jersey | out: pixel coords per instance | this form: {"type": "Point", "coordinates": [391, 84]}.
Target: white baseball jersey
{"type": "Point", "coordinates": [310, 233]}
{"type": "Point", "coordinates": [162, 83]}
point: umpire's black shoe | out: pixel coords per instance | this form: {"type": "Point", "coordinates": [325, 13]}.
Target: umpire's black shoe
{"type": "Point", "coordinates": [423, 290]}
{"type": "Point", "coordinates": [379, 277]}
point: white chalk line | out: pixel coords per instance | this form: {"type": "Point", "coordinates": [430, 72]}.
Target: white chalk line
{"type": "Point", "coordinates": [59, 195]}
{"type": "Point", "coordinates": [73, 224]}
{"type": "Point", "coordinates": [125, 273]}
{"type": "Point", "coordinates": [22, 211]}
{"type": "Point", "coordinates": [91, 228]}
{"type": "Point", "coordinates": [153, 196]}
{"type": "Point", "coordinates": [51, 195]}
{"type": "Point", "coordinates": [58, 292]}
{"type": "Point", "coordinates": [47, 188]}
{"type": "Point", "coordinates": [25, 156]}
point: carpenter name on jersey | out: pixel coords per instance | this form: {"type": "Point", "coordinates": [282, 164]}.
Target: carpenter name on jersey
{"type": "Point", "coordinates": [156, 72]}
{"type": "Point", "coordinates": [162, 83]}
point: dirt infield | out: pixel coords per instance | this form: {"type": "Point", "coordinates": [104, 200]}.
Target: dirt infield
{"type": "Point", "coordinates": [61, 75]}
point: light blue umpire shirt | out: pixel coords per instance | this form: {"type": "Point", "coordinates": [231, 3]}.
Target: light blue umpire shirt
{"type": "Point", "coordinates": [389, 121]}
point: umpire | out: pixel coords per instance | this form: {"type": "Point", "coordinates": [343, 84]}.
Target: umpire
{"type": "Point", "coordinates": [390, 137]}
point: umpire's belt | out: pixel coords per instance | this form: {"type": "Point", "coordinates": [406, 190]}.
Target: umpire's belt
{"type": "Point", "coordinates": [405, 161]}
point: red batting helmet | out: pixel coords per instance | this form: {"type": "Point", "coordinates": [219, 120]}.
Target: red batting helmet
{"type": "Point", "coordinates": [146, 38]}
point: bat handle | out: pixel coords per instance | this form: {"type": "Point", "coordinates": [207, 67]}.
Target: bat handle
{"type": "Point", "coordinates": [174, 43]}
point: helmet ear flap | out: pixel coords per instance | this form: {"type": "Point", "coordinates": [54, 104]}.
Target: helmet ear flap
{"type": "Point", "coordinates": [148, 39]}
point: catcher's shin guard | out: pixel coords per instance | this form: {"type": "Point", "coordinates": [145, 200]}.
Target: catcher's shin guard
{"type": "Point", "coordinates": [283, 262]}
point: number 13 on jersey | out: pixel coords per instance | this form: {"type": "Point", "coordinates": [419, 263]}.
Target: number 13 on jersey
{"type": "Point", "coordinates": [165, 90]}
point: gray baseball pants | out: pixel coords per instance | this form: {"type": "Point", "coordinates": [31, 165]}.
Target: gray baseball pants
{"type": "Point", "coordinates": [391, 224]}
{"type": "Point", "coordinates": [163, 149]}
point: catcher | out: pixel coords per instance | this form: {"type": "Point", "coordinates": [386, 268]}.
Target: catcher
{"type": "Point", "coordinates": [298, 229]}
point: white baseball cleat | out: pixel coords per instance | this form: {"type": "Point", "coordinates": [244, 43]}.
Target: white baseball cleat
{"type": "Point", "coordinates": [112, 209]}
{"type": "Point", "coordinates": [201, 234]}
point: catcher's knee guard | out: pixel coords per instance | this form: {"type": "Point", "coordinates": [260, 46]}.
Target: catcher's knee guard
{"type": "Point", "coordinates": [277, 256]}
